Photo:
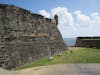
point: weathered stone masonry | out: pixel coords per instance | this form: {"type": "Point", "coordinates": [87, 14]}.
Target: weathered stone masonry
{"type": "Point", "coordinates": [90, 42]}
{"type": "Point", "coordinates": [26, 37]}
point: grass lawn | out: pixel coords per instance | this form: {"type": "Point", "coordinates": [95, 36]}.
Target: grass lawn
{"type": "Point", "coordinates": [78, 55]}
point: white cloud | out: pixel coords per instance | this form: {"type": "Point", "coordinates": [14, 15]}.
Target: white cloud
{"type": "Point", "coordinates": [65, 17]}
{"type": "Point", "coordinates": [88, 25]}
{"type": "Point", "coordinates": [78, 25]}
{"type": "Point", "coordinates": [44, 13]}
{"type": "Point", "coordinates": [82, 19]}
{"type": "Point", "coordinates": [95, 14]}
{"type": "Point", "coordinates": [95, 17]}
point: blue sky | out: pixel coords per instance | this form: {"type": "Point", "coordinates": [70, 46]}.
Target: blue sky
{"type": "Point", "coordinates": [76, 17]}
{"type": "Point", "coordinates": [86, 6]}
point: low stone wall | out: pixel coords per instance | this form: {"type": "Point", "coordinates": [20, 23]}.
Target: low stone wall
{"type": "Point", "coordinates": [90, 42]}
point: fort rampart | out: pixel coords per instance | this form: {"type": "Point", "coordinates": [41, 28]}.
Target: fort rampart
{"type": "Point", "coordinates": [26, 37]}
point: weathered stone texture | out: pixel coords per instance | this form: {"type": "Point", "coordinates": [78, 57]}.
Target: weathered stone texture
{"type": "Point", "coordinates": [90, 42]}
{"type": "Point", "coordinates": [26, 37]}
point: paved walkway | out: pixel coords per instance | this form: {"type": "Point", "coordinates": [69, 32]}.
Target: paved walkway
{"type": "Point", "coordinates": [7, 72]}
{"type": "Point", "coordinates": [63, 69]}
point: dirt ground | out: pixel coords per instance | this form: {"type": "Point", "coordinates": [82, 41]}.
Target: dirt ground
{"type": "Point", "coordinates": [63, 69]}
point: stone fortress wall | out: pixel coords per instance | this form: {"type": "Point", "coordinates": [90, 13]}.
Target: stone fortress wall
{"type": "Point", "coordinates": [89, 42]}
{"type": "Point", "coordinates": [26, 37]}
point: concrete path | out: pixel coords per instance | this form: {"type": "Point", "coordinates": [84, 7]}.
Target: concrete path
{"type": "Point", "coordinates": [63, 69]}
{"type": "Point", "coordinates": [7, 72]}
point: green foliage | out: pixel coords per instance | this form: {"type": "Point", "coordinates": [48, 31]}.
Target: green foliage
{"type": "Point", "coordinates": [74, 55]}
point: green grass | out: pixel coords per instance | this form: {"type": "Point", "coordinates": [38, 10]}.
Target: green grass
{"type": "Point", "coordinates": [78, 55]}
